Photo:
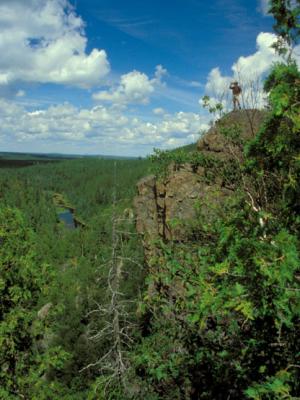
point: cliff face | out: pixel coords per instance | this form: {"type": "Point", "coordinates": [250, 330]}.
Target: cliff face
{"type": "Point", "coordinates": [165, 207]}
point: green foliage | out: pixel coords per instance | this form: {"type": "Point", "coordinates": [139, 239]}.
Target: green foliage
{"type": "Point", "coordinates": [22, 282]}
{"type": "Point", "coordinates": [20, 285]}
{"type": "Point", "coordinates": [276, 387]}
{"type": "Point", "coordinates": [213, 107]}
{"type": "Point", "coordinates": [287, 26]}
{"type": "Point", "coordinates": [166, 161]}
{"type": "Point", "coordinates": [228, 307]}
{"type": "Point", "coordinates": [273, 156]}
{"type": "Point", "coordinates": [60, 346]}
{"type": "Point", "coordinates": [224, 307]}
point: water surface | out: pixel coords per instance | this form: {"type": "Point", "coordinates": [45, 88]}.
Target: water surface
{"type": "Point", "coordinates": [67, 218]}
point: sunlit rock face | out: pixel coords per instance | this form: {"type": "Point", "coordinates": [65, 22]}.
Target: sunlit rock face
{"type": "Point", "coordinates": [166, 207]}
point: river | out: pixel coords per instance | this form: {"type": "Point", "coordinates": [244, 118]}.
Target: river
{"type": "Point", "coordinates": [67, 218]}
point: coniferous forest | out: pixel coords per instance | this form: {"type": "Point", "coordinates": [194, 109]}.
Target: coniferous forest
{"type": "Point", "coordinates": [46, 262]}
{"type": "Point", "coordinates": [83, 316]}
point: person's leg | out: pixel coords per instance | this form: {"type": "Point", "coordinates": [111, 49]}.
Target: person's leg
{"type": "Point", "coordinates": [234, 102]}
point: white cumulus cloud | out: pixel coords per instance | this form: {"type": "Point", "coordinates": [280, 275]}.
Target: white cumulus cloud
{"type": "Point", "coordinates": [66, 126]}
{"type": "Point", "coordinates": [260, 62]}
{"type": "Point", "coordinates": [43, 41]}
{"type": "Point", "coordinates": [249, 71]}
{"type": "Point", "coordinates": [217, 84]}
{"type": "Point", "coordinates": [134, 87]}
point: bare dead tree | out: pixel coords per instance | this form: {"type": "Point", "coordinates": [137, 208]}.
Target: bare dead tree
{"type": "Point", "coordinates": [219, 95]}
{"type": "Point", "coordinates": [252, 97]}
{"type": "Point", "coordinates": [114, 318]}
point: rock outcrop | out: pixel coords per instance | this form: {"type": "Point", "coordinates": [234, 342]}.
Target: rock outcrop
{"type": "Point", "coordinates": [246, 121]}
{"type": "Point", "coordinates": [165, 207]}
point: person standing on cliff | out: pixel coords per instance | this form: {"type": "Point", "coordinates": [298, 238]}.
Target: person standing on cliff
{"type": "Point", "coordinates": [236, 91]}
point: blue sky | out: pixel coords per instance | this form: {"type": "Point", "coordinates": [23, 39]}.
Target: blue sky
{"type": "Point", "coordinates": [188, 37]}
{"type": "Point", "coordinates": [115, 77]}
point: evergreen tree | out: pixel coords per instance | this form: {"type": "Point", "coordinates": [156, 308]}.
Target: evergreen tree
{"type": "Point", "coordinates": [20, 286]}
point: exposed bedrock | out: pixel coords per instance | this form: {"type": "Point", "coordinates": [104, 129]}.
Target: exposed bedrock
{"type": "Point", "coordinates": [165, 207]}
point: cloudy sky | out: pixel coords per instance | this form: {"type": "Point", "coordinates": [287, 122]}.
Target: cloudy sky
{"type": "Point", "coordinates": [122, 77]}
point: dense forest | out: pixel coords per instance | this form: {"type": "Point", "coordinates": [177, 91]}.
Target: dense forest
{"type": "Point", "coordinates": [68, 268]}
{"type": "Point", "coordinates": [83, 316]}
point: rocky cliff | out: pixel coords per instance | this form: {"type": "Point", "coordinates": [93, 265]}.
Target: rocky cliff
{"type": "Point", "coordinates": [166, 206]}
